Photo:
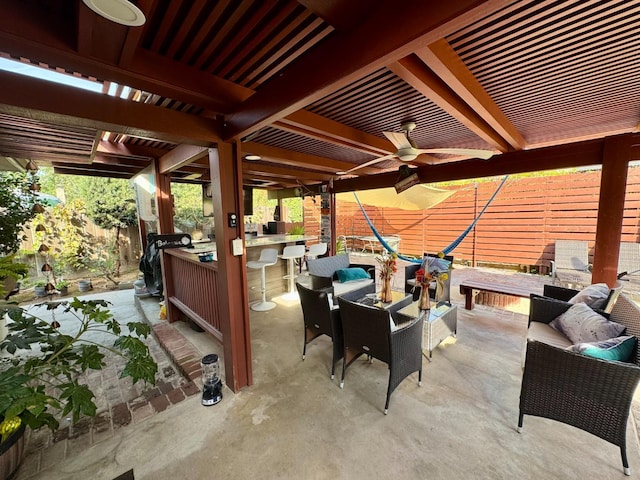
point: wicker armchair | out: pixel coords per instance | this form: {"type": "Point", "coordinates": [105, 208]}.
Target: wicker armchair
{"type": "Point", "coordinates": [367, 331]}
{"type": "Point", "coordinates": [588, 393]}
{"type": "Point", "coordinates": [410, 273]}
{"type": "Point", "coordinates": [320, 319]}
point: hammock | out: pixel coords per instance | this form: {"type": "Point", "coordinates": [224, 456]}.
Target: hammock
{"type": "Point", "coordinates": [449, 248]}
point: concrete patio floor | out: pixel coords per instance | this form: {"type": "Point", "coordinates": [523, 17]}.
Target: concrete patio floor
{"type": "Point", "coordinates": [295, 422]}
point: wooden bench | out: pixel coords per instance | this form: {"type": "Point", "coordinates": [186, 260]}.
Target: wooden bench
{"type": "Point", "coordinates": [468, 286]}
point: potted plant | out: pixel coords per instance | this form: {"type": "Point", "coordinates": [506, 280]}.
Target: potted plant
{"type": "Point", "coordinates": [41, 366]}
{"type": "Point", "coordinates": [39, 288]}
{"type": "Point", "coordinates": [62, 287]}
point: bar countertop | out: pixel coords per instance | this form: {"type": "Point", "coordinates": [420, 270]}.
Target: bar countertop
{"type": "Point", "coordinates": [250, 241]}
{"type": "Point", "coordinates": [264, 240]}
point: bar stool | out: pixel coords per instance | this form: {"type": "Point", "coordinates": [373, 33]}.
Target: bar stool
{"type": "Point", "coordinates": [268, 257]}
{"type": "Point", "coordinates": [316, 250]}
{"type": "Point", "coordinates": [291, 253]}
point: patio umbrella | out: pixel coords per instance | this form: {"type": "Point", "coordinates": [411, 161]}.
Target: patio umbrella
{"type": "Point", "coordinates": [418, 197]}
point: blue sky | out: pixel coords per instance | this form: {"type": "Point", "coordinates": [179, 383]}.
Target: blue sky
{"type": "Point", "coordinates": [48, 74]}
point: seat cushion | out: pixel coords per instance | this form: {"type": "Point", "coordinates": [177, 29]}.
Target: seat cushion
{"type": "Point", "coordinates": [543, 332]}
{"type": "Point", "coordinates": [581, 324]}
{"type": "Point", "coordinates": [342, 288]}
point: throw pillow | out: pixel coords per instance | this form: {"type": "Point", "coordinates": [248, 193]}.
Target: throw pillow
{"type": "Point", "coordinates": [437, 264]}
{"type": "Point", "coordinates": [581, 324]}
{"type": "Point", "coordinates": [619, 348]}
{"type": "Point", "coordinates": [595, 296]}
{"type": "Point", "coordinates": [351, 274]}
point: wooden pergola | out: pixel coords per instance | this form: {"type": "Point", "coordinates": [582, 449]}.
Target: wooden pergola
{"type": "Point", "coordinates": [309, 86]}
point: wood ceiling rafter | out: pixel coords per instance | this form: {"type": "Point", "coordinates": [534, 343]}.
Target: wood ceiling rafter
{"type": "Point", "coordinates": [298, 159]}
{"type": "Point", "coordinates": [220, 34]}
{"type": "Point", "coordinates": [179, 157]}
{"type": "Point", "coordinates": [69, 170]}
{"type": "Point", "coordinates": [255, 168]}
{"type": "Point", "coordinates": [268, 181]}
{"type": "Point", "coordinates": [449, 67]}
{"type": "Point", "coordinates": [340, 59]}
{"type": "Point", "coordinates": [316, 126]}
{"type": "Point", "coordinates": [47, 102]}
{"type": "Point", "coordinates": [216, 63]}
{"type": "Point", "coordinates": [96, 143]}
{"type": "Point", "coordinates": [255, 42]}
{"type": "Point", "coordinates": [129, 150]}
{"type": "Point", "coordinates": [183, 83]}
{"type": "Point", "coordinates": [413, 71]}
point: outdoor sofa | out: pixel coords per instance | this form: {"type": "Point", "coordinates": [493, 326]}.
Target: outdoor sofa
{"type": "Point", "coordinates": [336, 271]}
{"type": "Point", "coordinates": [587, 386]}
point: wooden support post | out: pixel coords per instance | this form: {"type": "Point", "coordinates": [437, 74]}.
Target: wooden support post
{"type": "Point", "coordinates": [613, 183]}
{"type": "Point", "coordinates": [226, 182]}
{"type": "Point", "coordinates": [164, 204]}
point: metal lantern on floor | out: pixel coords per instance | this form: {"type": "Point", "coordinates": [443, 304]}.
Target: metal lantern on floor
{"type": "Point", "coordinates": [212, 384]}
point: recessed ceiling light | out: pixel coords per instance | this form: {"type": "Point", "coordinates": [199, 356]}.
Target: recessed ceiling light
{"type": "Point", "coordinates": [252, 157]}
{"type": "Point", "coordinates": [120, 11]}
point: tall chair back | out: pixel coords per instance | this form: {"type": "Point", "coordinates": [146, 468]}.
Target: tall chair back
{"type": "Point", "coordinates": [320, 318]}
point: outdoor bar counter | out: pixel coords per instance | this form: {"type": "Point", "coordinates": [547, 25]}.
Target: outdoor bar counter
{"type": "Point", "coordinates": [193, 288]}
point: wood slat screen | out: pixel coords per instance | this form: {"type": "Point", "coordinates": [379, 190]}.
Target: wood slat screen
{"type": "Point", "coordinates": [520, 226]}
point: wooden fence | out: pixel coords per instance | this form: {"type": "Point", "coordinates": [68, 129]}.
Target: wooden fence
{"type": "Point", "coordinates": [519, 228]}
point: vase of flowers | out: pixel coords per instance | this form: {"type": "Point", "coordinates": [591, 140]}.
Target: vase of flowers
{"type": "Point", "coordinates": [388, 266]}
{"type": "Point", "coordinates": [433, 269]}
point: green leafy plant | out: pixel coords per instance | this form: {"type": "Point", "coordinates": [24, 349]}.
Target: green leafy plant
{"type": "Point", "coordinates": [42, 363]}
{"type": "Point", "coordinates": [16, 209]}
{"type": "Point", "coordinates": [62, 284]}
{"type": "Point", "coordinates": [40, 283]}
{"type": "Point", "coordinates": [297, 230]}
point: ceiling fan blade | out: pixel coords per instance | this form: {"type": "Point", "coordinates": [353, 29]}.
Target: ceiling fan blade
{"type": "Point", "coordinates": [470, 152]}
{"type": "Point", "coordinates": [366, 164]}
{"type": "Point", "coordinates": [398, 139]}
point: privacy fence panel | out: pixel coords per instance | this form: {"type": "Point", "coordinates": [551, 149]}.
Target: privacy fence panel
{"type": "Point", "coordinates": [519, 227]}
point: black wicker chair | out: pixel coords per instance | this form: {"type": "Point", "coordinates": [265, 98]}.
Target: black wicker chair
{"type": "Point", "coordinates": [410, 273]}
{"type": "Point", "coordinates": [367, 331]}
{"type": "Point", "coordinates": [320, 319]}
{"type": "Point", "coordinates": [588, 393]}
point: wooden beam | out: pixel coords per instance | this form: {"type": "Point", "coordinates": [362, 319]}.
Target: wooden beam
{"type": "Point", "coordinates": [205, 85]}
{"type": "Point", "coordinates": [391, 33]}
{"type": "Point", "coordinates": [45, 101]}
{"type": "Point", "coordinates": [442, 59]}
{"type": "Point", "coordinates": [548, 158]}
{"type": "Point", "coordinates": [23, 35]}
{"type": "Point", "coordinates": [180, 156]}
{"type": "Point", "coordinates": [129, 150]}
{"type": "Point", "coordinates": [283, 172]}
{"type": "Point", "coordinates": [417, 74]}
{"type": "Point", "coordinates": [65, 170]}
{"type": "Point", "coordinates": [339, 14]}
{"type": "Point", "coordinates": [324, 129]}
{"type": "Point", "coordinates": [298, 159]}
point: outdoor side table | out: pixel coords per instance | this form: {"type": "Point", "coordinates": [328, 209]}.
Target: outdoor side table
{"type": "Point", "coordinates": [439, 324]}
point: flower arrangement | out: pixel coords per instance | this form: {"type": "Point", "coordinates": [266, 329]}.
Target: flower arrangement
{"type": "Point", "coordinates": [434, 268]}
{"type": "Point", "coordinates": [388, 265]}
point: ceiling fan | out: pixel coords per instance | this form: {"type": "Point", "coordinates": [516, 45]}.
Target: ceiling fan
{"type": "Point", "coordinates": [408, 151]}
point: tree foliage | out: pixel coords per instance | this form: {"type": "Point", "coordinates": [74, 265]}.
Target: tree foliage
{"type": "Point", "coordinates": [16, 209]}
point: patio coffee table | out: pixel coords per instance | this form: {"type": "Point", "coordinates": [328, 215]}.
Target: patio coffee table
{"type": "Point", "coordinates": [399, 300]}
{"type": "Point", "coordinates": [440, 323]}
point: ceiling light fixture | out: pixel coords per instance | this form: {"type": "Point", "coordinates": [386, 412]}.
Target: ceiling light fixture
{"type": "Point", "coordinates": [120, 11]}
{"type": "Point", "coordinates": [252, 157]}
